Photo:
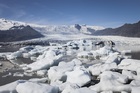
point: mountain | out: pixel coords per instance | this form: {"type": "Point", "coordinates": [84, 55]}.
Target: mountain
{"type": "Point", "coordinates": [67, 29]}
{"type": "Point", "coordinates": [17, 33]}
{"type": "Point", "coordinates": [128, 30]}
{"type": "Point", "coordinates": [52, 29]}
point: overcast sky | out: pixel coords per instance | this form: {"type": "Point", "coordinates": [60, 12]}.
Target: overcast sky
{"type": "Point", "coordinates": [107, 13]}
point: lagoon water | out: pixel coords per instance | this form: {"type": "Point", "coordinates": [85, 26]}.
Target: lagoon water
{"type": "Point", "coordinates": [135, 54]}
{"type": "Point", "coordinates": [9, 73]}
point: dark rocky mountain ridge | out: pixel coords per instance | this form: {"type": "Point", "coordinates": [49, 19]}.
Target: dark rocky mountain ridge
{"type": "Point", "coordinates": [18, 33]}
{"type": "Point", "coordinates": [128, 30]}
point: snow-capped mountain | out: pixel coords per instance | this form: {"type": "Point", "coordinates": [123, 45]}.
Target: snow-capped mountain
{"type": "Point", "coordinates": [7, 24]}
{"type": "Point", "coordinates": [52, 29]}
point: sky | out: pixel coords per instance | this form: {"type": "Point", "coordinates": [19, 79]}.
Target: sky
{"type": "Point", "coordinates": [106, 13]}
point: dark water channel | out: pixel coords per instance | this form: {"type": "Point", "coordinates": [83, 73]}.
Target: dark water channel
{"type": "Point", "coordinates": [134, 55]}
{"type": "Point", "coordinates": [7, 77]}
{"type": "Point", "coordinates": [9, 48]}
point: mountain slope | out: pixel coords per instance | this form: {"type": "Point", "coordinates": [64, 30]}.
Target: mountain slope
{"type": "Point", "coordinates": [128, 30]}
{"type": "Point", "coordinates": [17, 33]}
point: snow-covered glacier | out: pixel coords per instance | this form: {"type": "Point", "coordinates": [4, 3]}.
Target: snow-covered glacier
{"type": "Point", "coordinates": [51, 29]}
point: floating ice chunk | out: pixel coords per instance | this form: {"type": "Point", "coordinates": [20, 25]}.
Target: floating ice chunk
{"type": "Point", "coordinates": [33, 58]}
{"type": "Point", "coordinates": [129, 64]}
{"type": "Point", "coordinates": [26, 55]}
{"type": "Point", "coordinates": [57, 84]}
{"type": "Point", "coordinates": [33, 87]}
{"type": "Point", "coordinates": [83, 90]}
{"type": "Point", "coordinates": [9, 74]}
{"type": "Point", "coordinates": [41, 72]}
{"type": "Point", "coordinates": [129, 74]}
{"type": "Point", "coordinates": [59, 72]}
{"type": "Point", "coordinates": [77, 62]}
{"type": "Point", "coordinates": [79, 76]}
{"type": "Point", "coordinates": [101, 67]}
{"type": "Point", "coordinates": [113, 57]}
{"type": "Point", "coordinates": [11, 87]}
{"type": "Point", "coordinates": [26, 48]}
{"type": "Point", "coordinates": [124, 92]}
{"type": "Point", "coordinates": [14, 55]}
{"type": "Point", "coordinates": [45, 63]}
{"type": "Point", "coordinates": [28, 74]}
{"type": "Point", "coordinates": [68, 87]}
{"type": "Point", "coordinates": [138, 74]}
{"type": "Point", "coordinates": [65, 87]}
{"type": "Point", "coordinates": [107, 92]}
{"type": "Point", "coordinates": [52, 54]}
{"type": "Point", "coordinates": [3, 55]}
{"type": "Point", "coordinates": [70, 52]}
{"type": "Point", "coordinates": [112, 81]}
{"type": "Point", "coordinates": [49, 59]}
{"type": "Point", "coordinates": [39, 80]}
{"type": "Point", "coordinates": [85, 55]}
{"type": "Point", "coordinates": [125, 52]}
{"type": "Point", "coordinates": [18, 74]}
{"type": "Point", "coordinates": [1, 64]}
{"type": "Point", "coordinates": [135, 89]}
{"type": "Point", "coordinates": [104, 51]}
{"type": "Point", "coordinates": [135, 83]}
